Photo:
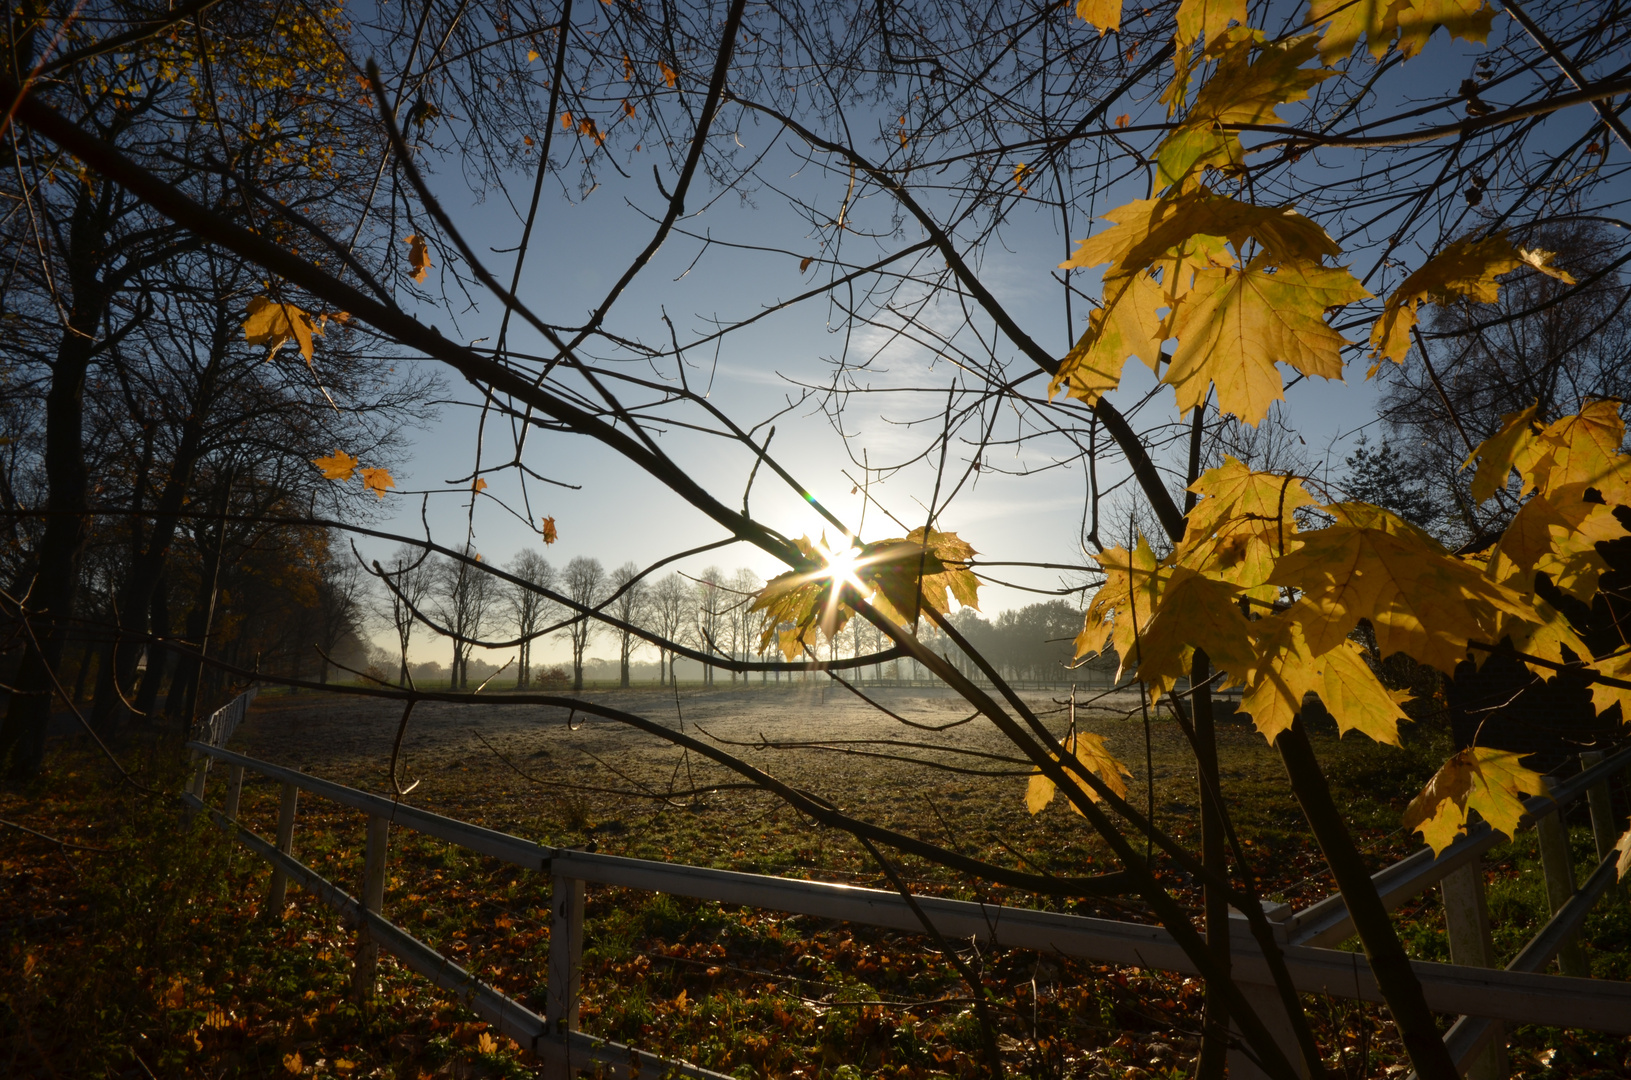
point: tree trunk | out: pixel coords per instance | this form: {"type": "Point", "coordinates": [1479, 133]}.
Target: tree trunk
{"type": "Point", "coordinates": [1391, 966]}
{"type": "Point", "coordinates": [50, 604]}
{"type": "Point", "coordinates": [1215, 1030]}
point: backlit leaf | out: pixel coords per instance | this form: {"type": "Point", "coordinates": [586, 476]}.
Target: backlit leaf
{"type": "Point", "coordinates": [339, 466]}
{"type": "Point", "coordinates": [1488, 781]}
{"type": "Point", "coordinates": [1378, 22]}
{"type": "Point", "coordinates": [377, 480]}
{"type": "Point", "coordinates": [418, 257]}
{"type": "Point", "coordinates": [1252, 78]}
{"type": "Point", "coordinates": [548, 530]}
{"type": "Point", "coordinates": [1204, 20]}
{"type": "Point", "coordinates": [1124, 605]}
{"type": "Point", "coordinates": [1195, 612]}
{"type": "Point", "coordinates": [1243, 521]}
{"type": "Point", "coordinates": [1420, 600]}
{"type": "Point", "coordinates": [1556, 533]}
{"type": "Point", "coordinates": [1465, 268]}
{"type": "Point", "coordinates": [273, 324]}
{"type": "Point", "coordinates": [1104, 14]}
{"type": "Point", "coordinates": [1622, 866]}
{"type": "Point", "coordinates": [1584, 449]}
{"type": "Point", "coordinates": [927, 563]}
{"type": "Point", "coordinates": [1536, 259]}
{"type": "Point", "coordinates": [1235, 324]}
{"type": "Point", "coordinates": [1189, 229]}
{"type": "Point", "coordinates": [479, 485]}
{"type": "Point", "coordinates": [1127, 325]}
{"type": "Point", "coordinates": [1095, 757]}
{"type": "Point", "coordinates": [1497, 454]}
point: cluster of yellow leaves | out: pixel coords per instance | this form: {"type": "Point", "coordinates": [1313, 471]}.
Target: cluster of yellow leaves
{"type": "Point", "coordinates": [1092, 756]}
{"type": "Point", "coordinates": [1412, 22]}
{"type": "Point", "coordinates": [898, 577]}
{"type": "Point", "coordinates": [342, 466]}
{"type": "Point", "coordinates": [1481, 779]}
{"type": "Point", "coordinates": [1467, 268]}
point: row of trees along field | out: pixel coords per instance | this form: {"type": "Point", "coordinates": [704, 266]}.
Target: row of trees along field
{"type": "Point", "coordinates": [713, 613]}
{"type": "Point", "coordinates": [222, 220]}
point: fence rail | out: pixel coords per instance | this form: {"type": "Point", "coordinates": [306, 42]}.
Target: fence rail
{"type": "Point", "coordinates": [1484, 995]}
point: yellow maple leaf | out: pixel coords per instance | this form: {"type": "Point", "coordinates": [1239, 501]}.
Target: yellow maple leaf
{"type": "Point", "coordinates": [1622, 866]}
{"type": "Point", "coordinates": [1605, 697]}
{"type": "Point", "coordinates": [926, 563]}
{"type": "Point", "coordinates": [1581, 450]}
{"type": "Point", "coordinates": [1284, 673]}
{"type": "Point", "coordinates": [1419, 599]}
{"type": "Point", "coordinates": [273, 324]}
{"type": "Point", "coordinates": [1189, 228]}
{"type": "Point", "coordinates": [486, 1044]}
{"type": "Point", "coordinates": [418, 256]}
{"type": "Point", "coordinates": [1243, 521]}
{"type": "Point", "coordinates": [1556, 533]}
{"type": "Point", "coordinates": [1488, 781]}
{"type": "Point", "coordinates": [1251, 80]}
{"type": "Point", "coordinates": [1356, 698]}
{"type": "Point", "coordinates": [532, 54]}
{"type": "Point", "coordinates": [1104, 14]}
{"type": "Point", "coordinates": [1204, 20]}
{"type": "Point", "coordinates": [339, 466]}
{"type": "Point", "coordinates": [1194, 612]}
{"type": "Point", "coordinates": [1090, 751]}
{"type": "Point", "coordinates": [1497, 454]}
{"type": "Point", "coordinates": [1124, 604]}
{"type": "Point", "coordinates": [1127, 325]}
{"type": "Point", "coordinates": [377, 480]}
{"type": "Point", "coordinates": [1536, 259]}
{"type": "Point", "coordinates": [1465, 268]}
{"type": "Point", "coordinates": [1378, 22]}
{"type": "Point", "coordinates": [292, 1063]}
{"type": "Point", "coordinates": [1235, 324]}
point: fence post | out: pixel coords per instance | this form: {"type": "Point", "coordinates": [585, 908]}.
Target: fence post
{"type": "Point", "coordinates": [235, 790]}
{"type": "Point", "coordinates": [1601, 800]}
{"type": "Point", "coordinates": [1265, 1000]}
{"type": "Point", "coordinates": [1466, 925]}
{"type": "Point", "coordinates": [373, 899]}
{"type": "Point", "coordinates": [1560, 886]}
{"type": "Point", "coordinates": [565, 966]}
{"type": "Point", "coordinates": [285, 843]}
{"type": "Point", "coordinates": [201, 772]}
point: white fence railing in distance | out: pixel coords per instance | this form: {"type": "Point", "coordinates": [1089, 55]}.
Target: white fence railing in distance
{"type": "Point", "coordinates": [1484, 996]}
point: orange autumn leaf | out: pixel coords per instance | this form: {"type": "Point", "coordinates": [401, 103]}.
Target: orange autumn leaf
{"type": "Point", "coordinates": [550, 535]}
{"type": "Point", "coordinates": [273, 324]}
{"type": "Point", "coordinates": [339, 466]}
{"type": "Point", "coordinates": [377, 480]}
{"type": "Point", "coordinates": [418, 256]}
{"type": "Point", "coordinates": [670, 76]}
{"type": "Point", "coordinates": [479, 485]}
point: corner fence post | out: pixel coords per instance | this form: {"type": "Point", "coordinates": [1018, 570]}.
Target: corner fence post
{"type": "Point", "coordinates": [235, 790]}
{"type": "Point", "coordinates": [1560, 886]}
{"type": "Point", "coordinates": [1601, 800]}
{"type": "Point", "coordinates": [1466, 925]}
{"type": "Point", "coordinates": [285, 843]}
{"type": "Point", "coordinates": [373, 899]}
{"type": "Point", "coordinates": [1265, 1000]}
{"type": "Point", "coordinates": [565, 976]}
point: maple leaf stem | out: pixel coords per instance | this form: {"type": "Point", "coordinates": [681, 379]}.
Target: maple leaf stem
{"type": "Point", "coordinates": [1388, 961]}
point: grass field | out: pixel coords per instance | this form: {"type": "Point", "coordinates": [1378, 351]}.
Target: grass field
{"type": "Point", "coordinates": [153, 954]}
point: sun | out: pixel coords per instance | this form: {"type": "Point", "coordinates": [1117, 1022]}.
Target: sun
{"type": "Point", "coordinates": [842, 564]}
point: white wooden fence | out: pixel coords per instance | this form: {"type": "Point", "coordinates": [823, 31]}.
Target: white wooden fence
{"type": "Point", "coordinates": [1485, 997]}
